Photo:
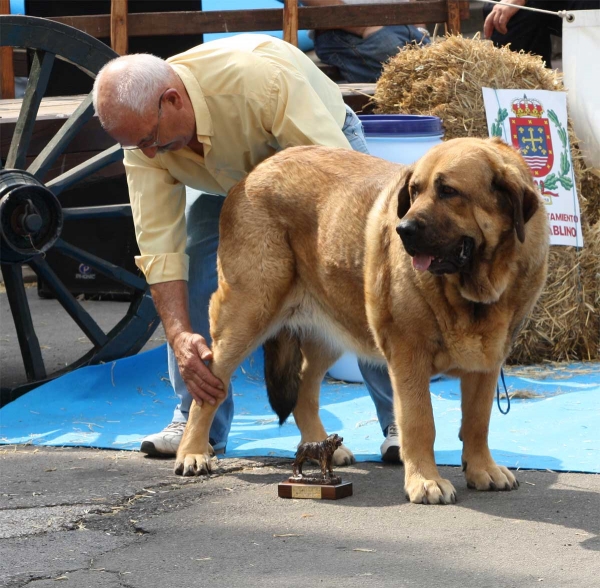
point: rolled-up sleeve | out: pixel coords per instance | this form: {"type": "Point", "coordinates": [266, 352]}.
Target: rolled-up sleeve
{"type": "Point", "coordinates": [158, 207]}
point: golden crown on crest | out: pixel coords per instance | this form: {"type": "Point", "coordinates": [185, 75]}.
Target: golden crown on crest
{"type": "Point", "coordinates": [527, 107]}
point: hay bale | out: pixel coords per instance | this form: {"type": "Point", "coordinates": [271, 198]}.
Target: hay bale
{"type": "Point", "coordinates": [445, 79]}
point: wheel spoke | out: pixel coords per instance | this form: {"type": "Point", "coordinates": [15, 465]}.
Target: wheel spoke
{"type": "Point", "coordinates": [85, 169]}
{"type": "Point", "coordinates": [36, 87]}
{"type": "Point", "coordinates": [81, 317]}
{"type": "Point", "coordinates": [19, 307]}
{"type": "Point", "coordinates": [96, 212]}
{"type": "Point", "coordinates": [43, 162]}
{"type": "Point", "coordinates": [101, 265]}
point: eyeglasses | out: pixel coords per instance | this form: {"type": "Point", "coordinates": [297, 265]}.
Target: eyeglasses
{"type": "Point", "coordinates": [154, 143]}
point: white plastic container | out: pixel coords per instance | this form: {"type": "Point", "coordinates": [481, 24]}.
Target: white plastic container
{"type": "Point", "coordinates": [401, 138]}
{"type": "Point", "coordinates": [346, 369]}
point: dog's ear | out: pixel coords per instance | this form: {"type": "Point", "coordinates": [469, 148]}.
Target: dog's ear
{"type": "Point", "coordinates": [403, 194]}
{"type": "Point", "coordinates": [520, 195]}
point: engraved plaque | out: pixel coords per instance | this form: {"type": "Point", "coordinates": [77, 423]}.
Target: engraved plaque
{"type": "Point", "coordinates": [299, 491]}
{"type": "Point", "coordinates": [314, 491]}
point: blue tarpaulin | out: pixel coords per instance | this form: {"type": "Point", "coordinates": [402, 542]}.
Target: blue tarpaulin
{"type": "Point", "coordinates": [116, 404]}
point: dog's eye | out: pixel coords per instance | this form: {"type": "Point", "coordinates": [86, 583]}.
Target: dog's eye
{"type": "Point", "coordinates": [448, 192]}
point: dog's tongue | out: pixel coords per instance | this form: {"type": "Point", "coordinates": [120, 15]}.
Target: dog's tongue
{"type": "Point", "coordinates": [421, 261]}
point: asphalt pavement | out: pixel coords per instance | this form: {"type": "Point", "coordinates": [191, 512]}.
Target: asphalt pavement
{"type": "Point", "coordinates": [113, 519]}
{"type": "Point", "coordinates": [106, 519]}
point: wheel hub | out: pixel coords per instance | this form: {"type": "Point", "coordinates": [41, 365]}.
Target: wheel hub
{"type": "Point", "coordinates": [31, 217]}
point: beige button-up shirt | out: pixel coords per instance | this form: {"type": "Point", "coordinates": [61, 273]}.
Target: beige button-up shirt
{"type": "Point", "coordinates": [252, 96]}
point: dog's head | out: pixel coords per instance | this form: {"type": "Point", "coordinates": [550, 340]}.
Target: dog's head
{"type": "Point", "coordinates": [463, 200]}
{"type": "Point", "coordinates": [333, 442]}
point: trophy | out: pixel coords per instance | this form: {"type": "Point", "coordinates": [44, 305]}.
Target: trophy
{"type": "Point", "coordinates": [327, 485]}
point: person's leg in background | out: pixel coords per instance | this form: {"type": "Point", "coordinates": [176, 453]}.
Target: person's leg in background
{"type": "Point", "coordinates": [202, 215]}
{"type": "Point", "coordinates": [376, 378]}
{"type": "Point", "coordinates": [361, 60]}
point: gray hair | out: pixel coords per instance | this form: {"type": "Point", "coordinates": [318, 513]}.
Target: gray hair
{"type": "Point", "coordinates": [139, 80]}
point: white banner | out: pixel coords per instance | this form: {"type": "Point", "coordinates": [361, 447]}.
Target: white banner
{"type": "Point", "coordinates": [580, 54]}
{"type": "Point", "coordinates": [535, 122]}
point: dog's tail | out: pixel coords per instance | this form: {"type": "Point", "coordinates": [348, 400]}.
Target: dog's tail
{"type": "Point", "coordinates": [283, 361]}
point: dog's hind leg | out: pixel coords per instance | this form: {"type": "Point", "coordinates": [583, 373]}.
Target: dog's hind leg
{"type": "Point", "coordinates": [477, 397]}
{"type": "Point", "coordinates": [239, 324]}
{"type": "Point", "coordinates": [233, 340]}
{"type": "Point", "coordinates": [251, 293]}
{"type": "Point", "coordinates": [194, 452]}
{"type": "Point", "coordinates": [318, 358]}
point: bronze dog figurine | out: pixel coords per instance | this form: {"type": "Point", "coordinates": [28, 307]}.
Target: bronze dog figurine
{"type": "Point", "coordinates": [321, 451]}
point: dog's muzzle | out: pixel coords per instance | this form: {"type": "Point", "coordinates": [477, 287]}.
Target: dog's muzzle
{"type": "Point", "coordinates": [427, 256]}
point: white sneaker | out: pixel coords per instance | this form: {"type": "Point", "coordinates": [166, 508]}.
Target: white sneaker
{"type": "Point", "coordinates": [390, 448]}
{"type": "Point", "coordinates": [164, 443]}
{"type": "Point", "coordinates": [167, 442]}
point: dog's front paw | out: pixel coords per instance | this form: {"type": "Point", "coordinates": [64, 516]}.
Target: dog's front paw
{"type": "Point", "coordinates": [422, 491]}
{"type": "Point", "coordinates": [490, 477]}
{"type": "Point", "coordinates": [194, 464]}
{"type": "Point", "coordinates": [343, 456]}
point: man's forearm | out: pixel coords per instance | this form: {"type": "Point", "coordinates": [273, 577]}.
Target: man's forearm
{"type": "Point", "coordinates": [171, 301]}
{"type": "Point", "coordinates": [191, 351]}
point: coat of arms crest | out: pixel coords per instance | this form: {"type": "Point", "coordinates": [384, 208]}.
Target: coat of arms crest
{"type": "Point", "coordinates": [530, 133]}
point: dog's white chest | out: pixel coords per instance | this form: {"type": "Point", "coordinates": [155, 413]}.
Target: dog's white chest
{"type": "Point", "coordinates": [308, 317]}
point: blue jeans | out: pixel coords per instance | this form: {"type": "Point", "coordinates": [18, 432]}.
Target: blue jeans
{"type": "Point", "coordinates": [202, 215]}
{"type": "Point", "coordinates": [361, 60]}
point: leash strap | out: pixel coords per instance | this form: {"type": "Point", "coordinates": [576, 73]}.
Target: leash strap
{"type": "Point", "coordinates": [498, 394]}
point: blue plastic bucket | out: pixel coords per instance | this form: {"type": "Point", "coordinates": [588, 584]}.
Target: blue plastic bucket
{"type": "Point", "coordinates": [401, 138]}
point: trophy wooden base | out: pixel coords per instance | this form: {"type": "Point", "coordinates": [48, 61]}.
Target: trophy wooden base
{"type": "Point", "coordinates": [293, 489]}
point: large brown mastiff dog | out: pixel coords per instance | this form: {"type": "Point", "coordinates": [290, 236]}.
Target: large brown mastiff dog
{"type": "Point", "coordinates": [431, 268]}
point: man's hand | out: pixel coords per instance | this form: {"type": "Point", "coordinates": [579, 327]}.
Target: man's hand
{"type": "Point", "coordinates": [191, 351]}
{"type": "Point", "coordinates": [499, 17]}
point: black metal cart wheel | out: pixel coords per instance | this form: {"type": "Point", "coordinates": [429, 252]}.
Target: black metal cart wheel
{"type": "Point", "coordinates": [31, 216]}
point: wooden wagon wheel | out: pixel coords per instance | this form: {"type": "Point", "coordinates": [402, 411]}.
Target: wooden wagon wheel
{"type": "Point", "coordinates": [31, 216]}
